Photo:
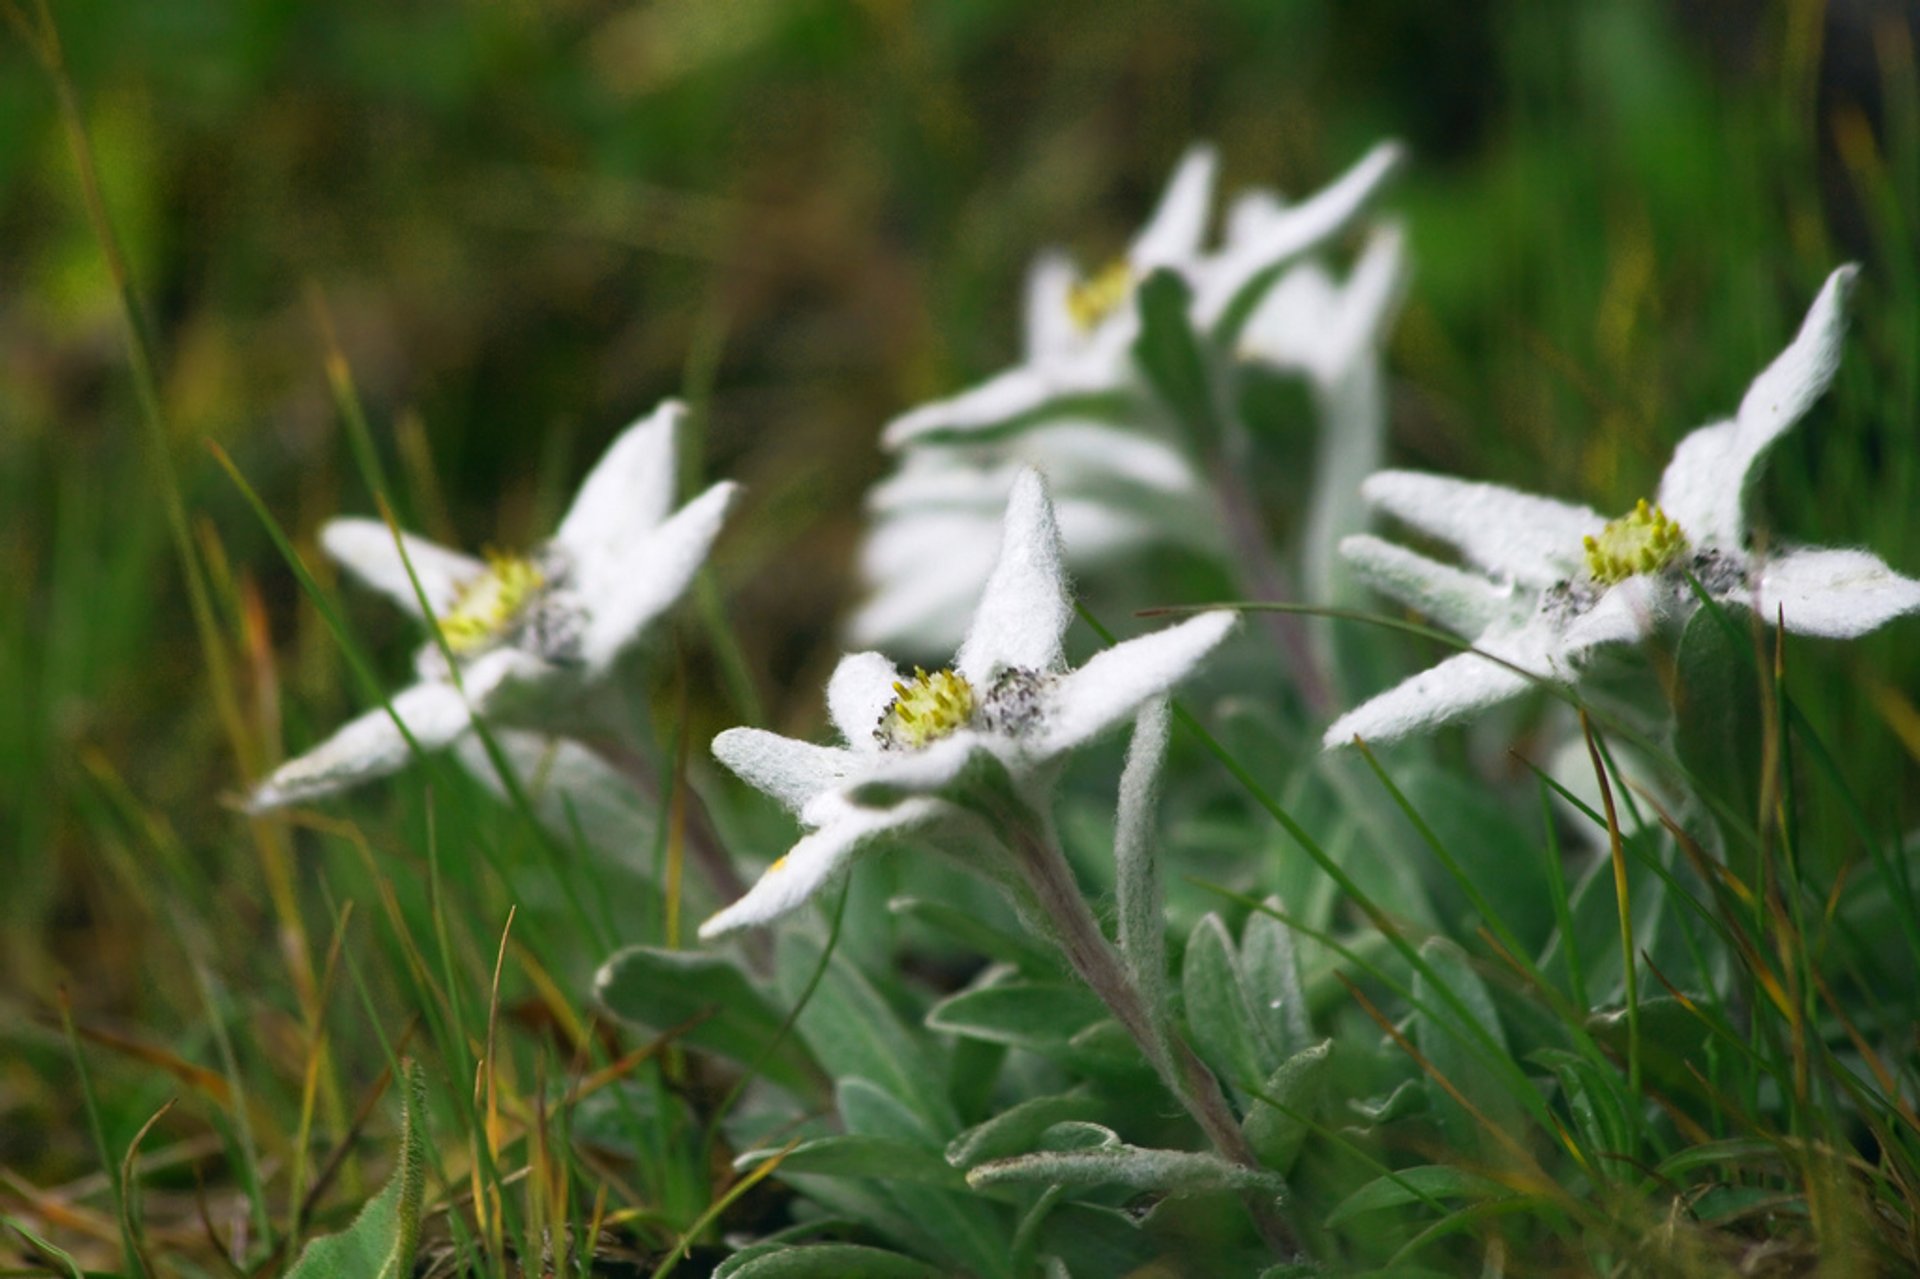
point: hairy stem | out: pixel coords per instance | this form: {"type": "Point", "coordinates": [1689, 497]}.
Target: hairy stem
{"type": "Point", "coordinates": [1261, 576]}
{"type": "Point", "coordinates": [1086, 948]}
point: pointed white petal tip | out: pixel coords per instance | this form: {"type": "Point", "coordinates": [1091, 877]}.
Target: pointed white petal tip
{"type": "Point", "coordinates": [1114, 683]}
{"type": "Point", "coordinates": [793, 772]}
{"type": "Point", "coordinates": [1453, 690]}
{"type": "Point", "coordinates": [1833, 593]}
{"type": "Point", "coordinates": [1026, 604]}
{"type": "Point", "coordinates": [1177, 228]}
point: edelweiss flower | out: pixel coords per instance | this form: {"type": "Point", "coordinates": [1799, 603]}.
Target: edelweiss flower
{"type": "Point", "coordinates": [1081, 328]}
{"type": "Point", "coordinates": [1555, 582]}
{"type": "Point", "coordinates": [1116, 491]}
{"type": "Point", "coordinates": [525, 632]}
{"type": "Point", "coordinates": [1008, 693]}
{"type": "Point", "coordinates": [1119, 485]}
{"type": "Point", "coordinates": [1329, 332]}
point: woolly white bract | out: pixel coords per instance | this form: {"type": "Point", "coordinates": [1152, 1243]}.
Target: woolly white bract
{"type": "Point", "coordinates": [1075, 407]}
{"type": "Point", "coordinates": [1009, 693]}
{"type": "Point", "coordinates": [526, 634]}
{"type": "Point", "coordinates": [1549, 583]}
{"type": "Point", "coordinates": [1081, 329]}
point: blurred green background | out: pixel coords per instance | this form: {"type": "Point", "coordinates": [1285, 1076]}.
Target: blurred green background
{"type": "Point", "coordinates": [523, 223]}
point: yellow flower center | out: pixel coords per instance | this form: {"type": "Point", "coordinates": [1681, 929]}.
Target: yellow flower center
{"type": "Point", "coordinates": [1643, 540]}
{"type": "Point", "coordinates": [925, 709]}
{"type": "Point", "coordinates": [485, 605]}
{"type": "Point", "coordinates": [1093, 299]}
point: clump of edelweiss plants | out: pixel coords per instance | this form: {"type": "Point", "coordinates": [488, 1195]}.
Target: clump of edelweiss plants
{"type": "Point", "coordinates": [981, 1012]}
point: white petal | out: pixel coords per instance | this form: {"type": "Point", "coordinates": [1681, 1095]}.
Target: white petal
{"type": "Point", "coordinates": [1291, 323]}
{"type": "Point", "coordinates": [1099, 531]}
{"type": "Point", "coordinates": [1801, 374]}
{"type": "Point", "coordinates": [1456, 688]}
{"type": "Point", "coordinates": [793, 772]}
{"type": "Point", "coordinates": [1173, 235]}
{"type": "Point", "coordinates": [1465, 603]}
{"type": "Point", "coordinates": [816, 861]}
{"type": "Point", "coordinates": [1625, 613]}
{"type": "Point", "coordinates": [1534, 540]}
{"type": "Point", "coordinates": [1113, 686]}
{"type": "Point", "coordinates": [1310, 323]}
{"type": "Point", "coordinates": [366, 549]}
{"type": "Point", "coordinates": [1100, 365]}
{"type": "Point", "coordinates": [920, 543]}
{"type": "Point", "coordinates": [624, 591]}
{"type": "Point", "coordinates": [1051, 331]}
{"type": "Point", "coordinates": [1293, 231]}
{"type": "Point", "coordinates": [923, 771]}
{"type": "Point", "coordinates": [1705, 485]}
{"type": "Point", "coordinates": [1836, 593]}
{"type": "Point", "coordinates": [629, 491]}
{"type": "Point", "coordinates": [367, 747]}
{"type": "Point", "coordinates": [1250, 213]}
{"type": "Point", "coordinates": [937, 478]}
{"type": "Point", "coordinates": [1025, 608]}
{"type": "Point", "coordinates": [922, 616]}
{"type": "Point", "coordinates": [1011, 394]}
{"type": "Point", "coordinates": [1089, 453]}
{"type": "Point", "coordinates": [858, 694]}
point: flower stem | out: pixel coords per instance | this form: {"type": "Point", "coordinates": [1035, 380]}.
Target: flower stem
{"type": "Point", "coordinates": [1262, 577]}
{"type": "Point", "coordinates": [1092, 957]}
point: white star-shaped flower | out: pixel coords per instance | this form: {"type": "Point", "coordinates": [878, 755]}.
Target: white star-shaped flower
{"type": "Point", "coordinates": [1081, 328]}
{"type": "Point", "coordinates": [1115, 491]}
{"type": "Point", "coordinates": [1123, 482]}
{"type": "Point", "coordinates": [527, 633]}
{"type": "Point", "coordinates": [1549, 583]}
{"type": "Point", "coordinates": [1330, 332]}
{"type": "Point", "coordinates": [1008, 694]}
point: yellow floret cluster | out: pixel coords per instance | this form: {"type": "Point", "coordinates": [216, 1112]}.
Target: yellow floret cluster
{"type": "Point", "coordinates": [1099, 295]}
{"type": "Point", "coordinates": [926, 709]}
{"type": "Point", "coordinates": [1643, 540]}
{"type": "Point", "coordinates": [485, 605]}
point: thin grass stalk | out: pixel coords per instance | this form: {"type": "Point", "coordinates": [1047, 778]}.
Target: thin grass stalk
{"type": "Point", "coordinates": [1629, 965]}
{"type": "Point", "coordinates": [116, 1191]}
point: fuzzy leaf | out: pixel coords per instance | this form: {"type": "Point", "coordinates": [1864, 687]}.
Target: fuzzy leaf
{"type": "Point", "coordinates": [1596, 1098]}
{"type": "Point", "coordinates": [1038, 1015]}
{"type": "Point", "coordinates": [1270, 965]}
{"type": "Point", "coordinates": [830, 1261]}
{"type": "Point", "coordinates": [854, 1031]}
{"type": "Point", "coordinates": [1413, 1185]}
{"type": "Point", "coordinates": [381, 1241]}
{"type": "Point", "coordinates": [1018, 1128]}
{"type": "Point", "coordinates": [856, 1155]}
{"type": "Point", "coordinates": [1457, 1053]}
{"type": "Point", "coordinates": [1299, 1086]}
{"type": "Point", "coordinates": [1220, 1009]}
{"type": "Point", "coordinates": [1136, 856]}
{"type": "Point", "coordinates": [1170, 355]}
{"type": "Point", "coordinates": [658, 989]}
{"type": "Point", "coordinates": [1174, 1172]}
{"type": "Point", "coordinates": [980, 935]}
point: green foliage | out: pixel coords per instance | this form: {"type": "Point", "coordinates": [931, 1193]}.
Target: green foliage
{"type": "Point", "coordinates": [437, 259]}
{"type": "Point", "coordinates": [1170, 355]}
{"type": "Point", "coordinates": [664, 990]}
{"type": "Point", "coordinates": [381, 1242]}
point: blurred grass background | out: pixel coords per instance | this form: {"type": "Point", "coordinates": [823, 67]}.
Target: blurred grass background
{"type": "Point", "coordinates": [522, 224]}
